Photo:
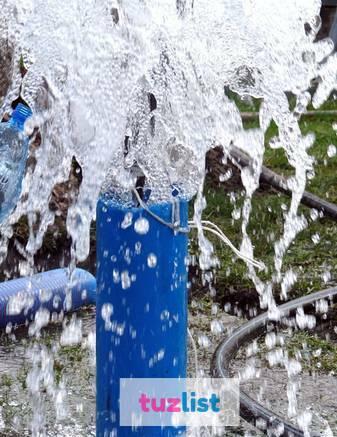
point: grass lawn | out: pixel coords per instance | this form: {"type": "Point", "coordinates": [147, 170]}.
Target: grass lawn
{"type": "Point", "coordinates": [313, 254]}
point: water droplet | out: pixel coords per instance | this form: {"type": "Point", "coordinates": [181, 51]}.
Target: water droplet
{"type": "Point", "coordinates": [115, 276]}
{"type": "Point", "coordinates": [204, 341]}
{"type": "Point", "coordinates": [215, 309]}
{"type": "Point", "coordinates": [332, 151]}
{"type": "Point", "coordinates": [226, 176]}
{"type": "Point", "coordinates": [165, 315]}
{"type": "Point", "coordinates": [152, 260]}
{"type": "Point", "coordinates": [326, 276]}
{"type": "Point", "coordinates": [72, 333]}
{"type": "Point", "coordinates": [315, 238]}
{"type": "Point", "coordinates": [142, 226]}
{"type": "Point", "coordinates": [127, 222]}
{"type": "Point", "coordinates": [216, 327]}
{"type": "Point", "coordinates": [236, 214]}
{"type": "Point", "coordinates": [125, 280]}
{"type": "Point", "coordinates": [314, 214]}
{"type": "Point", "coordinates": [317, 353]}
{"type": "Point", "coordinates": [161, 354]}
{"type": "Point", "coordinates": [107, 310]}
{"type": "Point", "coordinates": [120, 329]}
{"type": "Point", "coordinates": [138, 247]}
{"type": "Point", "coordinates": [127, 256]}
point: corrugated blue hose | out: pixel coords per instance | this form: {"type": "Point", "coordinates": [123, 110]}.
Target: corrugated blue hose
{"type": "Point", "coordinates": [47, 290]}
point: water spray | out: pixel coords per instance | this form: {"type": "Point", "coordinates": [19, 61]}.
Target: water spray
{"type": "Point", "coordinates": [136, 90]}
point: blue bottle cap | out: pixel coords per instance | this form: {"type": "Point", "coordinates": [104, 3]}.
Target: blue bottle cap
{"type": "Point", "coordinates": [20, 115]}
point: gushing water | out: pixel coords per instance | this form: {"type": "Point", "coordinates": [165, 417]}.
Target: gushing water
{"type": "Point", "coordinates": [137, 90]}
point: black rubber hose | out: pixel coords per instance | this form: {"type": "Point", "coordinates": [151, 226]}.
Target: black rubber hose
{"type": "Point", "coordinates": [279, 183]}
{"type": "Point", "coordinates": [250, 409]}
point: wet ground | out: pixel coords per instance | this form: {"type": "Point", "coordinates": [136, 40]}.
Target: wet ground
{"type": "Point", "coordinates": [44, 385]}
{"type": "Point", "coordinates": [73, 376]}
{"type": "Point", "coordinates": [41, 380]}
{"type": "Point", "coordinates": [316, 396]}
{"type": "Point", "coordinates": [315, 387]}
{"type": "Point", "coordinates": [305, 395]}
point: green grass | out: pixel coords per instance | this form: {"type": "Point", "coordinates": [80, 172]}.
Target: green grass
{"type": "Point", "coordinates": [314, 353]}
{"type": "Point", "coordinates": [308, 259]}
{"type": "Point", "coordinates": [248, 104]}
{"type": "Point", "coordinates": [317, 354]}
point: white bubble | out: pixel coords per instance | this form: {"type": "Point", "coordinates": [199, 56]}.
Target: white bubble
{"type": "Point", "coordinates": [115, 276]}
{"type": "Point", "coordinates": [125, 280]}
{"type": "Point", "coordinates": [142, 226]}
{"type": "Point", "coordinates": [161, 354]}
{"type": "Point", "coordinates": [165, 315]}
{"type": "Point", "coordinates": [138, 247]}
{"type": "Point", "coordinates": [127, 222]}
{"type": "Point", "coordinates": [106, 312]}
{"type": "Point", "coordinates": [152, 260]}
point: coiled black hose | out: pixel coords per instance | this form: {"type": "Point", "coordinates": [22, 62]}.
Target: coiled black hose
{"type": "Point", "coordinates": [250, 409]}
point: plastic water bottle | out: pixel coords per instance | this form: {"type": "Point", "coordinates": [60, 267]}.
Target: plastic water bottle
{"type": "Point", "coordinates": [13, 157]}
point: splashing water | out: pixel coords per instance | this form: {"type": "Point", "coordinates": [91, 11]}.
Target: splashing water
{"type": "Point", "coordinates": [135, 88]}
{"type": "Point", "coordinates": [154, 73]}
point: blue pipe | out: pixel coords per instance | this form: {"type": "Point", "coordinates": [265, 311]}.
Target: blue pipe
{"type": "Point", "coordinates": [21, 298]}
{"type": "Point", "coordinates": [141, 306]}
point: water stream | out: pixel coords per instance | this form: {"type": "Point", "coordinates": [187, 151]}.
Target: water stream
{"type": "Point", "coordinates": [137, 89]}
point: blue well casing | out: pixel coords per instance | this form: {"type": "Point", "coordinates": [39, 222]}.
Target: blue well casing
{"type": "Point", "coordinates": [147, 300]}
